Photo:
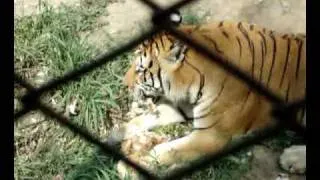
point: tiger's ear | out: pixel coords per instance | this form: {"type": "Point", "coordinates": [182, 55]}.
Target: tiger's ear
{"type": "Point", "coordinates": [177, 52]}
{"type": "Point", "coordinates": [137, 51]}
{"type": "Point", "coordinates": [174, 56]}
{"type": "Point", "coordinates": [140, 47]}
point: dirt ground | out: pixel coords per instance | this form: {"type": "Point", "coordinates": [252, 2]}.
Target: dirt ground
{"type": "Point", "coordinates": [127, 18]}
{"type": "Point", "coordinates": [281, 15]}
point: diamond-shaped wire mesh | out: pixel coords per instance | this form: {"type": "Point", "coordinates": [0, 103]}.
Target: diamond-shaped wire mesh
{"type": "Point", "coordinates": [282, 111]}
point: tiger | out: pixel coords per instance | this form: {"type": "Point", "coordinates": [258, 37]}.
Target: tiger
{"type": "Point", "coordinates": [188, 86]}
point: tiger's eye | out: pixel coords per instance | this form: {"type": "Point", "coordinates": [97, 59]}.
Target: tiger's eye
{"type": "Point", "coordinates": [171, 46]}
{"type": "Point", "coordinates": [150, 64]}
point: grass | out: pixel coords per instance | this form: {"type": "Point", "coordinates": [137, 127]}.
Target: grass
{"type": "Point", "coordinates": [52, 40]}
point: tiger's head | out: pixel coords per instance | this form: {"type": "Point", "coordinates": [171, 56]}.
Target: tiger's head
{"type": "Point", "coordinates": [162, 52]}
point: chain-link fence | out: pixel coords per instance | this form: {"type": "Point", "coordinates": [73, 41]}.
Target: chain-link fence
{"type": "Point", "coordinates": [284, 112]}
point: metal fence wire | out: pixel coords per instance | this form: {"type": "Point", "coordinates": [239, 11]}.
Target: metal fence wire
{"type": "Point", "coordinates": [285, 113]}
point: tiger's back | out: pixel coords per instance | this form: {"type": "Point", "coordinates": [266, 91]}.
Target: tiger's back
{"type": "Point", "coordinates": [276, 60]}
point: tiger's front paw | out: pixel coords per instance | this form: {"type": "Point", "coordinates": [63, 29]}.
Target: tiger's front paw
{"type": "Point", "coordinates": [146, 161]}
{"type": "Point", "coordinates": [126, 131]}
{"type": "Point", "coordinates": [127, 172]}
{"type": "Point", "coordinates": [137, 148]}
{"type": "Point", "coordinates": [293, 159]}
{"type": "Point", "coordinates": [163, 154]}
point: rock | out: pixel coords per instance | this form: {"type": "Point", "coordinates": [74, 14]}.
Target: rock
{"type": "Point", "coordinates": [293, 159]}
{"type": "Point", "coordinates": [264, 166]}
